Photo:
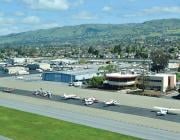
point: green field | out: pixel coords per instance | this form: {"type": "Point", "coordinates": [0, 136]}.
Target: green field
{"type": "Point", "coordinates": [20, 125]}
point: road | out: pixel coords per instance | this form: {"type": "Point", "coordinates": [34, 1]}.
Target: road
{"type": "Point", "coordinates": [100, 105]}
{"type": "Point", "coordinates": [97, 122]}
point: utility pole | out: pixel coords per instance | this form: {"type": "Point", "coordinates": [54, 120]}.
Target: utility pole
{"type": "Point", "coordinates": [143, 75]}
{"type": "Point", "coordinates": [143, 80]}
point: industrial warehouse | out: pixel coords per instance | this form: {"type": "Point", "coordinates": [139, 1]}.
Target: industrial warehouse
{"type": "Point", "coordinates": [69, 76]}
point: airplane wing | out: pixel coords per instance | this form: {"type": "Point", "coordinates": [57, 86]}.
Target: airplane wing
{"type": "Point", "coordinates": [164, 108]}
{"type": "Point", "coordinates": [159, 108]}
{"type": "Point", "coordinates": [173, 109]}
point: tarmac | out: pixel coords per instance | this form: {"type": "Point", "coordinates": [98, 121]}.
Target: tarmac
{"type": "Point", "coordinates": [123, 121]}
{"type": "Point", "coordinates": [93, 120]}
{"type": "Point", "coordinates": [174, 117]}
{"type": "Point", "coordinates": [33, 83]}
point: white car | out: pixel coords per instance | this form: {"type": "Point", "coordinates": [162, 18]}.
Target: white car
{"type": "Point", "coordinates": [77, 84]}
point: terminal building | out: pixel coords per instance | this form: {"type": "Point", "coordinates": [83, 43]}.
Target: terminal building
{"type": "Point", "coordinates": [159, 82]}
{"type": "Point", "coordinates": [118, 80]}
{"type": "Point", "coordinates": [69, 76]}
{"type": "Point", "coordinates": [162, 82]}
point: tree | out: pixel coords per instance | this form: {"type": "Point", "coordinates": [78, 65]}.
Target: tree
{"type": "Point", "coordinates": [108, 69]}
{"type": "Point", "coordinates": [117, 49]}
{"type": "Point", "coordinates": [160, 60]}
{"type": "Point", "coordinates": [90, 50]}
{"type": "Point", "coordinates": [96, 81]}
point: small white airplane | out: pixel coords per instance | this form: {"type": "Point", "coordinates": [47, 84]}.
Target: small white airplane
{"type": "Point", "coordinates": [111, 102]}
{"type": "Point", "coordinates": [163, 110]}
{"type": "Point", "coordinates": [43, 93]}
{"type": "Point", "coordinates": [70, 96]}
{"type": "Point", "coordinates": [90, 101]}
{"type": "Point", "coordinates": [48, 94]}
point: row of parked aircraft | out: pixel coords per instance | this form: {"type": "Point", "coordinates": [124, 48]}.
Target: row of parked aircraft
{"type": "Point", "coordinates": [91, 100]}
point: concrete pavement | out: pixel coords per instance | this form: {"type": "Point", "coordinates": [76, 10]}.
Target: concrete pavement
{"type": "Point", "coordinates": [60, 89]}
{"type": "Point", "coordinates": [172, 116]}
{"type": "Point", "coordinates": [98, 122]}
{"type": "Point", "coordinates": [148, 128]}
{"type": "Point", "coordinates": [132, 123]}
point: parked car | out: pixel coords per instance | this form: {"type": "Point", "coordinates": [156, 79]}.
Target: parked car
{"type": "Point", "coordinates": [77, 84]}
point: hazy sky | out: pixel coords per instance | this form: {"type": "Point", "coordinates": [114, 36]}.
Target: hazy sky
{"type": "Point", "coordinates": [24, 15]}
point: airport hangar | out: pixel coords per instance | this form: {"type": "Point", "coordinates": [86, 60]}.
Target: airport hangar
{"type": "Point", "coordinates": [69, 76]}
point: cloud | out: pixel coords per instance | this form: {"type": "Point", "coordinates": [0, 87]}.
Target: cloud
{"type": "Point", "coordinates": [6, 0]}
{"type": "Point", "coordinates": [155, 10]}
{"type": "Point", "coordinates": [130, 15]}
{"type": "Point", "coordinates": [132, 0]}
{"type": "Point", "coordinates": [170, 9]}
{"type": "Point", "coordinates": [19, 13]}
{"type": "Point", "coordinates": [6, 21]}
{"type": "Point", "coordinates": [1, 14]}
{"type": "Point", "coordinates": [48, 4]}
{"type": "Point", "coordinates": [107, 8]}
{"type": "Point", "coordinates": [77, 3]}
{"type": "Point", "coordinates": [9, 30]}
{"type": "Point", "coordinates": [85, 16]}
{"type": "Point", "coordinates": [31, 20]}
{"type": "Point", "coordinates": [49, 25]}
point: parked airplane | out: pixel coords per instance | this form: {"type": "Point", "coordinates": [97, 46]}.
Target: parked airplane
{"type": "Point", "coordinates": [111, 102]}
{"type": "Point", "coordinates": [90, 101]}
{"type": "Point", "coordinates": [43, 93]}
{"type": "Point", "coordinates": [163, 110]}
{"type": "Point", "coordinates": [70, 96]}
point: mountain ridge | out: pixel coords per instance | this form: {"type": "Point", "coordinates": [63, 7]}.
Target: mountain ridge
{"type": "Point", "coordinates": [96, 34]}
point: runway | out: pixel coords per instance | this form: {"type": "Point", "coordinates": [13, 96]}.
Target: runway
{"type": "Point", "coordinates": [100, 105]}
{"type": "Point", "coordinates": [93, 121]}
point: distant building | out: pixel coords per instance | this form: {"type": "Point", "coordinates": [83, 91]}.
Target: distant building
{"type": "Point", "coordinates": [118, 80]}
{"type": "Point", "coordinates": [162, 82]}
{"type": "Point", "coordinates": [68, 76]}
{"type": "Point", "coordinates": [16, 70]}
{"type": "Point", "coordinates": [19, 61]}
{"type": "Point", "coordinates": [63, 62]}
{"type": "Point", "coordinates": [97, 61]}
{"type": "Point", "coordinates": [42, 66]}
{"type": "Point", "coordinates": [173, 65]}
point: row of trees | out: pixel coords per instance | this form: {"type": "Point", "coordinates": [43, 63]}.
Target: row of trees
{"type": "Point", "coordinates": [139, 51]}
{"type": "Point", "coordinates": [159, 59]}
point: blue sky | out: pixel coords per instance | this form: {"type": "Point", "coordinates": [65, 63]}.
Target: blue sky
{"type": "Point", "coordinates": [24, 15]}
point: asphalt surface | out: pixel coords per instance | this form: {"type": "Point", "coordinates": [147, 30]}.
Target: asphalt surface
{"type": "Point", "coordinates": [97, 122]}
{"type": "Point", "coordinates": [100, 105]}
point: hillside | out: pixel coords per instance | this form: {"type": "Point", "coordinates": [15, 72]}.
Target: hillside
{"type": "Point", "coordinates": [94, 34]}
